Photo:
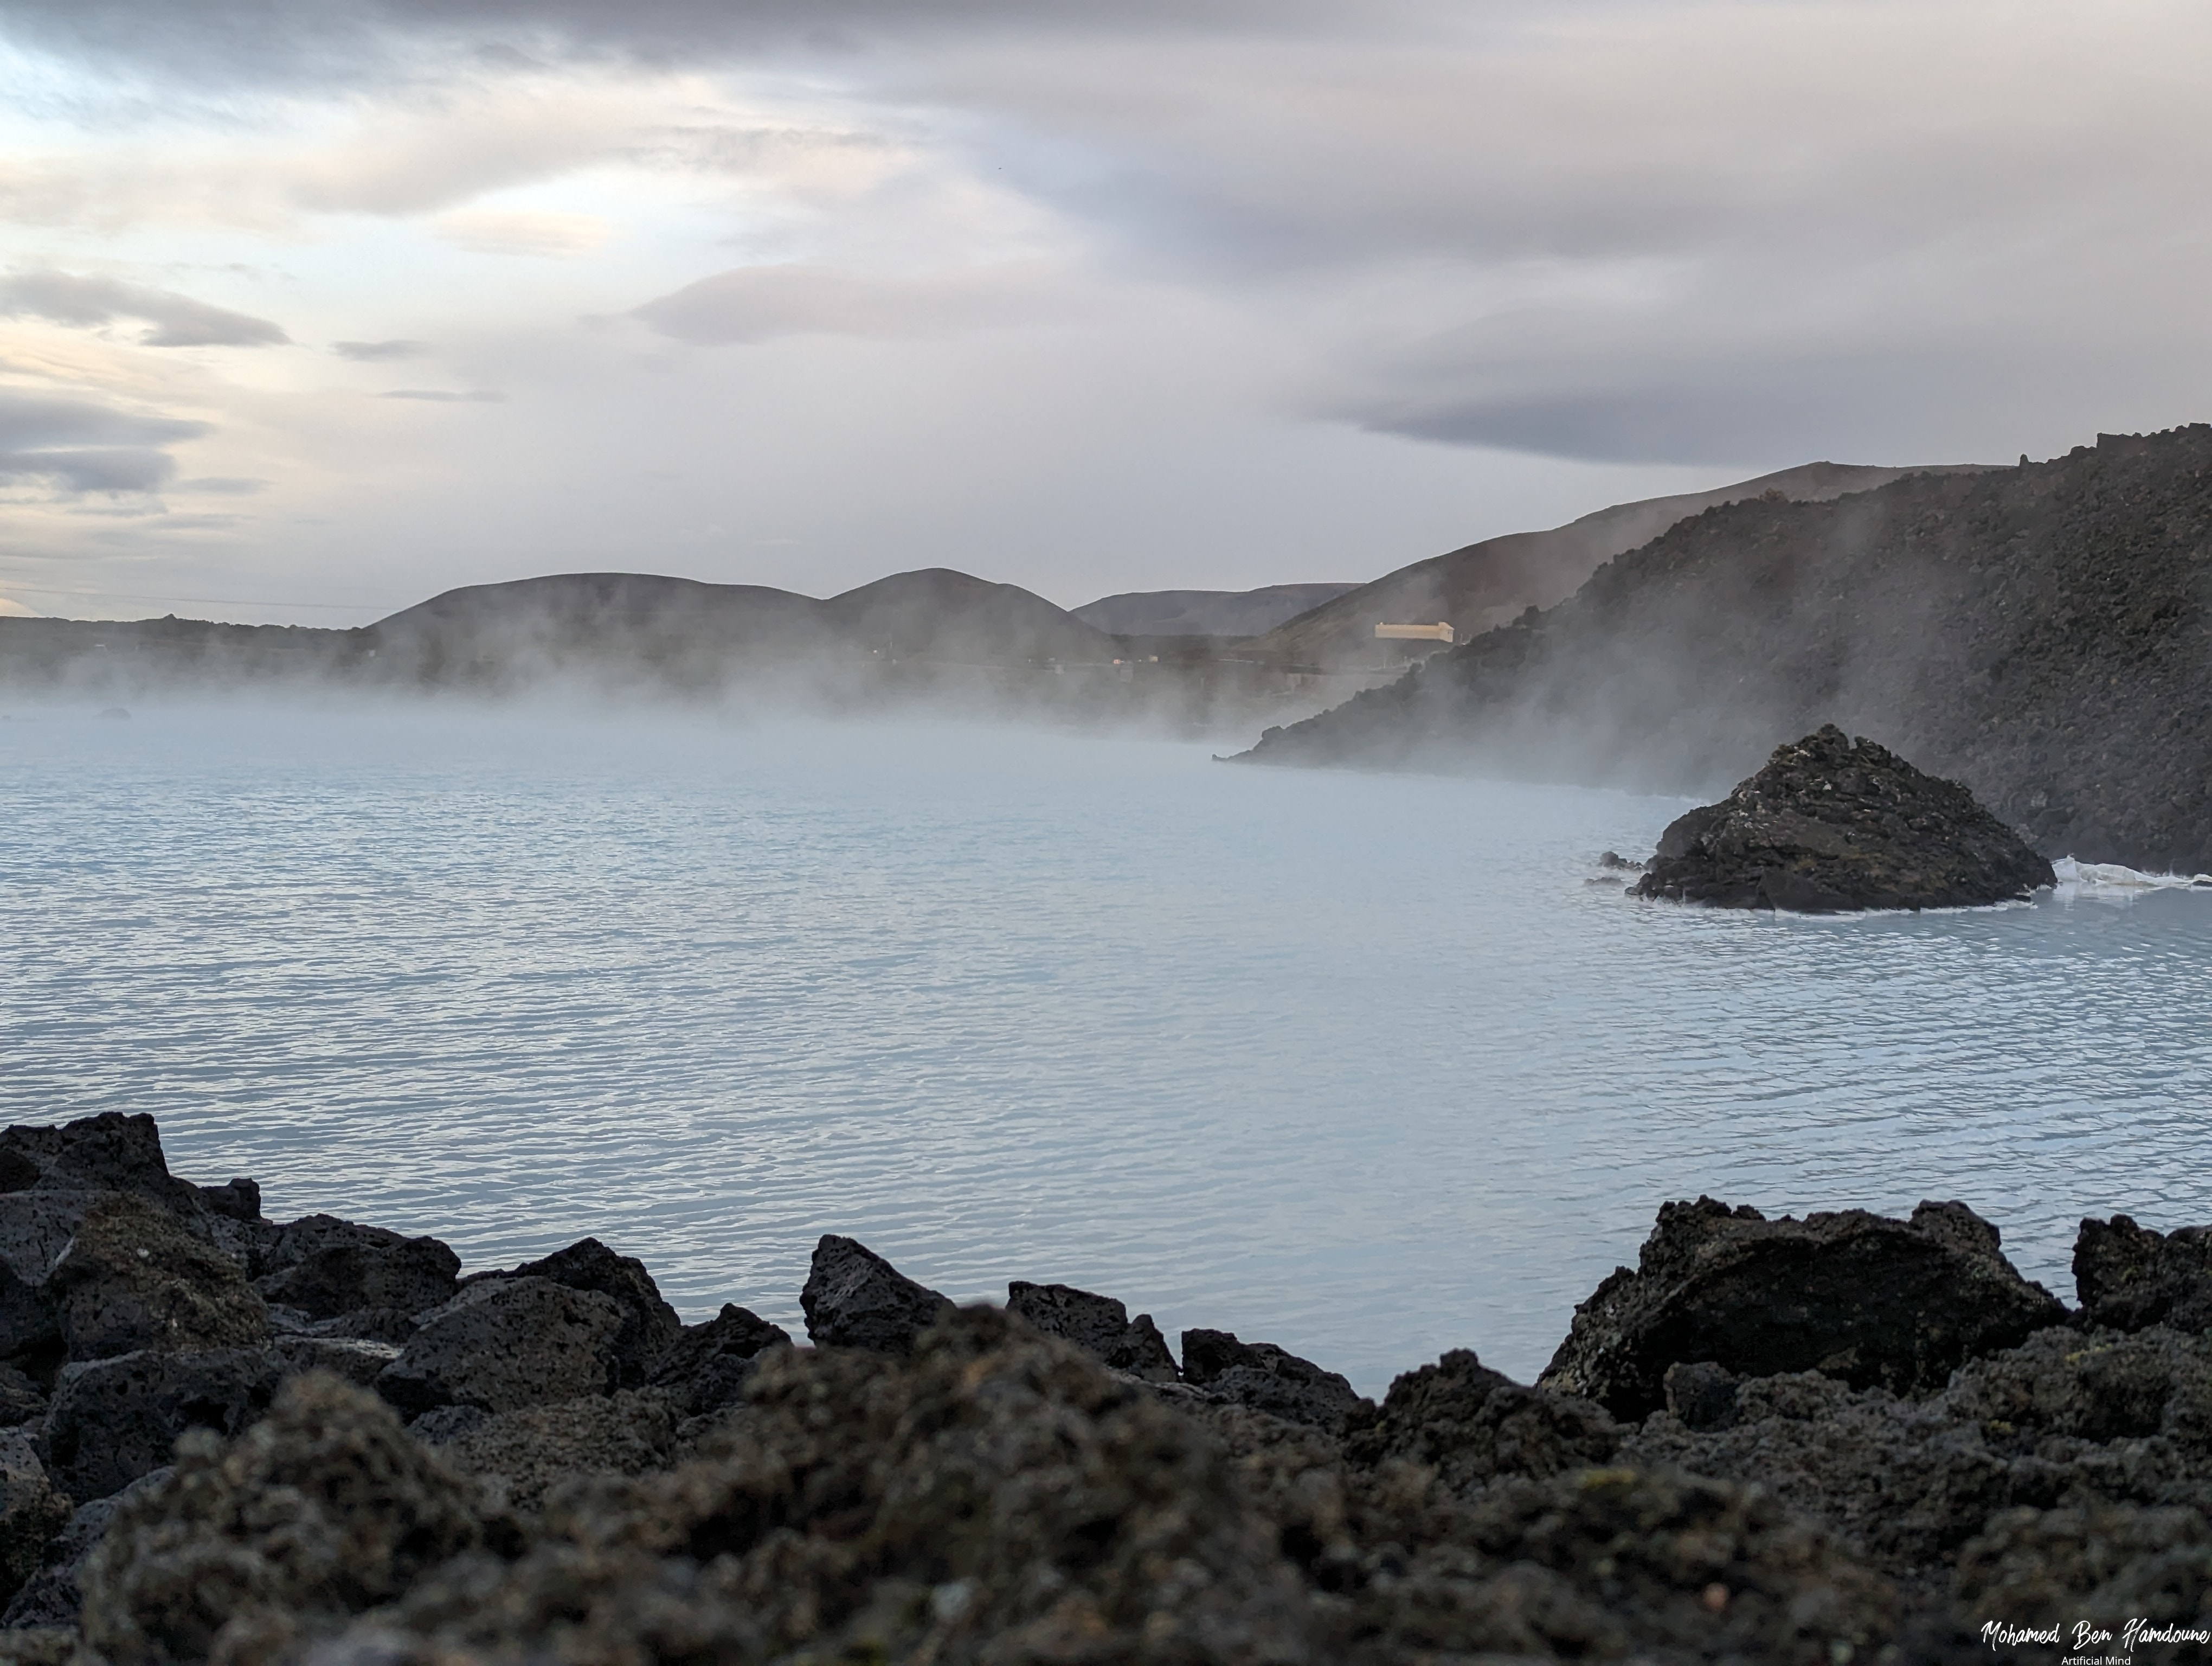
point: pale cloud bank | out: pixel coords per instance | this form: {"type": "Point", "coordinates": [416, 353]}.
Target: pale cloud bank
{"type": "Point", "coordinates": [1089, 297]}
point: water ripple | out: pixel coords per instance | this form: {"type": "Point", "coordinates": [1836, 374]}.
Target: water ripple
{"type": "Point", "coordinates": [1359, 1064]}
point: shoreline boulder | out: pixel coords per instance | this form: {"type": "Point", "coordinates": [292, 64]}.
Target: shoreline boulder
{"type": "Point", "coordinates": [1099, 1325]}
{"type": "Point", "coordinates": [114, 1420]}
{"type": "Point", "coordinates": [327, 1268]}
{"type": "Point", "coordinates": [650, 1327]}
{"type": "Point", "coordinates": [1270, 1379]}
{"type": "Point", "coordinates": [1836, 825]}
{"type": "Point", "coordinates": [505, 1344]}
{"type": "Point", "coordinates": [1872, 1301]}
{"type": "Point", "coordinates": [1472, 1425]}
{"type": "Point", "coordinates": [132, 1277]}
{"type": "Point", "coordinates": [854, 1299]}
{"type": "Point", "coordinates": [705, 1368]}
{"type": "Point", "coordinates": [2127, 1277]}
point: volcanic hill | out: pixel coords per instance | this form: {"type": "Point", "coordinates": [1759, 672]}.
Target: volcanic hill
{"type": "Point", "coordinates": [1206, 613]}
{"type": "Point", "coordinates": [1487, 584]}
{"type": "Point", "coordinates": [2042, 633]}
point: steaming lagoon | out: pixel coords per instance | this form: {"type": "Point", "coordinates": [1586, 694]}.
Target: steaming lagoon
{"type": "Point", "coordinates": [1363, 1065]}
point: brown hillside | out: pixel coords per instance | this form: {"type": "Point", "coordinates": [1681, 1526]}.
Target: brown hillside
{"type": "Point", "coordinates": [1489, 583]}
{"type": "Point", "coordinates": [2042, 633]}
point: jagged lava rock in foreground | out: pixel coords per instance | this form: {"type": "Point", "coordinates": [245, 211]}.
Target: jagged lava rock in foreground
{"type": "Point", "coordinates": [1842, 1440]}
{"type": "Point", "coordinates": [1832, 825]}
{"type": "Point", "coordinates": [1868, 1301]}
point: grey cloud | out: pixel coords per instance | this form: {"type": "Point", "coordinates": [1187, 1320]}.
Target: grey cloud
{"type": "Point", "coordinates": [376, 352]}
{"type": "Point", "coordinates": [176, 320]}
{"type": "Point", "coordinates": [1957, 395]}
{"type": "Point", "coordinates": [216, 486]}
{"type": "Point", "coordinates": [446, 397]}
{"type": "Point", "coordinates": [38, 421]}
{"type": "Point", "coordinates": [78, 445]}
{"type": "Point", "coordinates": [351, 41]}
{"type": "Point", "coordinates": [764, 303]}
{"type": "Point", "coordinates": [97, 469]}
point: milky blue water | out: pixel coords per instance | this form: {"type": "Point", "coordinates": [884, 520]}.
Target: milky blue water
{"type": "Point", "coordinates": [1362, 1065]}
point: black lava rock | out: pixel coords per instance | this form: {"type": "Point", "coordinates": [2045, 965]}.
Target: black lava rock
{"type": "Point", "coordinates": [2129, 1277]}
{"type": "Point", "coordinates": [1472, 1425]}
{"type": "Point", "coordinates": [116, 1419]}
{"type": "Point", "coordinates": [1832, 825]}
{"type": "Point", "coordinates": [506, 1343]}
{"type": "Point", "coordinates": [1269, 1379]}
{"type": "Point", "coordinates": [133, 1278]}
{"type": "Point", "coordinates": [1868, 1300]}
{"type": "Point", "coordinates": [854, 1299]}
{"type": "Point", "coordinates": [705, 1368]}
{"type": "Point", "coordinates": [1703, 1395]}
{"type": "Point", "coordinates": [650, 1326]}
{"type": "Point", "coordinates": [109, 1152]}
{"type": "Point", "coordinates": [50, 1597]}
{"type": "Point", "coordinates": [325, 1267]}
{"type": "Point", "coordinates": [1099, 1325]}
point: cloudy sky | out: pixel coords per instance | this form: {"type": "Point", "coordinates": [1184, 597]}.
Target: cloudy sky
{"type": "Point", "coordinates": [310, 308]}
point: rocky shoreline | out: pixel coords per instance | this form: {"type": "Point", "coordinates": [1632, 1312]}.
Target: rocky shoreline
{"type": "Point", "coordinates": [1845, 1438]}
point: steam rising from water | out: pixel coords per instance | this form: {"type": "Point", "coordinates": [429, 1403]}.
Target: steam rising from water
{"type": "Point", "coordinates": [1365, 1066]}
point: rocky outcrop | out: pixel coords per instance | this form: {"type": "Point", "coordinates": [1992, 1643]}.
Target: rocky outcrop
{"type": "Point", "coordinates": [995, 1494]}
{"type": "Point", "coordinates": [1868, 1300]}
{"type": "Point", "coordinates": [1269, 1379]}
{"type": "Point", "coordinates": [1833, 825]}
{"type": "Point", "coordinates": [1099, 1325]}
{"type": "Point", "coordinates": [2127, 1277]}
{"type": "Point", "coordinates": [996, 1488]}
{"type": "Point", "coordinates": [854, 1299]}
{"type": "Point", "coordinates": [507, 1343]}
{"type": "Point", "coordinates": [109, 1152]}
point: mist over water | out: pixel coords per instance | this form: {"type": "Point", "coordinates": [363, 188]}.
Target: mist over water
{"type": "Point", "coordinates": [1362, 1065]}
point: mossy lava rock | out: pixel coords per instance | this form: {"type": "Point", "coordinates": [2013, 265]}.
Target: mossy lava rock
{"type": "Point", "coordinates": [1833, 825]}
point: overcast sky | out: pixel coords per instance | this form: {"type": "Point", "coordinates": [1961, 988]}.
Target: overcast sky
{"type": "Point", "coordinates": [310, 310]}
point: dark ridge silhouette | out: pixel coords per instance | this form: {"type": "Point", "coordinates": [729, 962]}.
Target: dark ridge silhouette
{"type": "Point", "coordinates": [940, 614]}
{"type": "Point", "coordinates": [626, 629]}
{"type": "Point", "coordinates": [2041, 633]}
{"type": "Point", "coordinates": [1206, 613]}
{"type": "Point", "coordinates": [1487, 584]}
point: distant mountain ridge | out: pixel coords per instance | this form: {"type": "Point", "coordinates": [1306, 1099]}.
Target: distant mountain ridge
{"type": "Point", "coordinates": [2042, 633]}
{"type": "Point", "coordinates": [935, 613]}
{"type": "Point", "coordinates": [1486, 584]}
{"type": "Point", "coordinates": [1206, 613]}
